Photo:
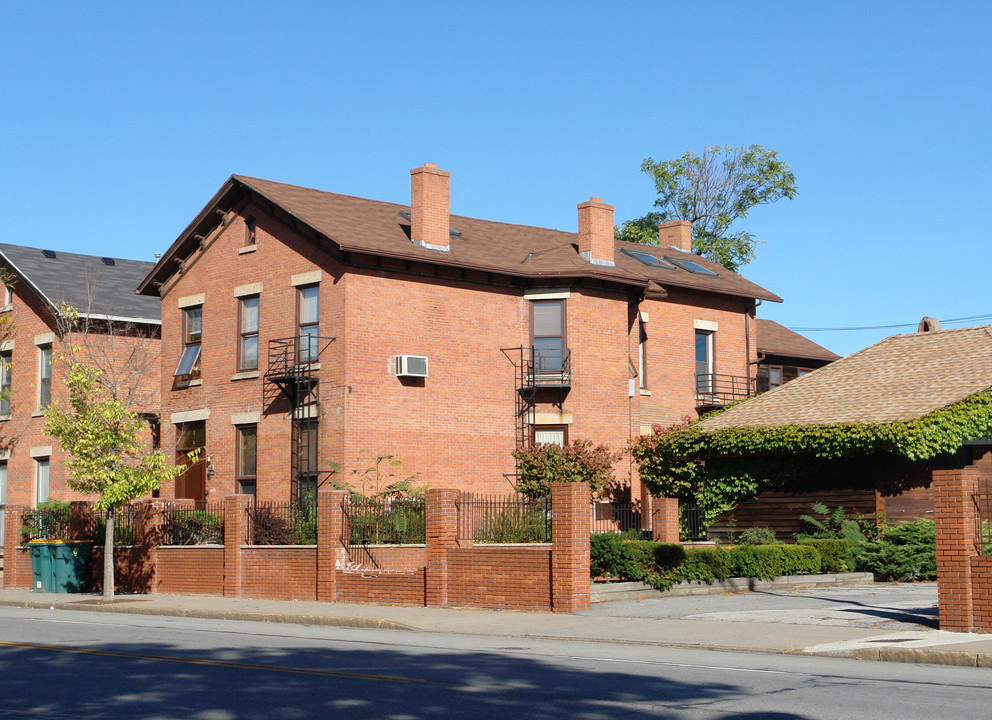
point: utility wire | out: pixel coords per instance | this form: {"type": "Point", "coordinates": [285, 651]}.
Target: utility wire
{"type": "Point", "coordinates": [972, 318]}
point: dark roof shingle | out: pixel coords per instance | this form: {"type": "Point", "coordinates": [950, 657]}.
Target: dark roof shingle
{"type": "Point", "coordinates": [773, 339]}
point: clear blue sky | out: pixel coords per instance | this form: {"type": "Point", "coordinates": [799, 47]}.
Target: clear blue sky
{"type": "Point", "coordinates": [120, 120]}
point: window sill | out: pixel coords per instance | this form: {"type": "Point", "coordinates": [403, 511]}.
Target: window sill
{"type": "Point", "coordinates": [247, 249]}
{"type": "Point", "coordinates": [40, 412]}
{"type": "Point", "coordinates": [4, 417]}
{"type": "Point", "coordinates": [245, 375]}
{"type": "Point", "coordinates": [7, 308]}
{"type": "Point", "coordinates": [194, 382]}
{"type": "Point", "coordinates": [646, 393]}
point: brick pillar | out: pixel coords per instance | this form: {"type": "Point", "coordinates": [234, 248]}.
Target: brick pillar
{"type": "Point", "coordinates": [441, 510]}
{"type": "Point", "coordinates": [82, 522]}
{"type": "Point", "coordinates": [647, 509]}
{"type": "Point", "coordinates": [235, 533]}
{"type": "Point", "coordinates": [956, 519]}
{"type": "Point", "coordinates": [665, 520]}
{"type": "Point", "coordinates": [11, 539]}
{"type": "Point", "coordinates": [332, 541]}
{"type": "Point", "coordinates": [466, 520]}
{"type": "Point", "coordinates": [148, 521]}
{"type": "Point", "coordinates": [570, 525]}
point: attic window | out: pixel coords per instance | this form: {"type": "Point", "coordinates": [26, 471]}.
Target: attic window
{"type": "Point", "coordinates": [648, 259]}
{"type": "Point", "coordinates": [405, 215]}
{"type": "Point", "coordinates": [107, 261]}
{"type": "Point", "coordinates": [692, 266]}
{"type": "Point", "coordinates": [50, 254]}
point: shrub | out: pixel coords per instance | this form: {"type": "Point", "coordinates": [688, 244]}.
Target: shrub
{"type": "Point", "coordinates": [580, 461]}
{"type": "Point", "coordinates": [705, 565]}
{"type": "Point", "coordinates": [669, 555]}
{"type": "Point", "coordinates": [906, 552]}
{"type": "Point", "coordinates": [757, 536]}
{"type": "Point", "coordinates": [192, 527]}
{"type": "Point", "coordinates": [756, 561]}
{"type": "Point", "coordinates": [836, 525]}
{"type": "Point", "coordinates": [800, 560]}
{"type": "Point", "coordinates": [836, 553]}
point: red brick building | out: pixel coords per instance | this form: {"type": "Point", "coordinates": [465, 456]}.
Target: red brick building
{"type": "Point", "coordinates": [302, 328]}
{"type": "Point", "coordinates": [117, 332]}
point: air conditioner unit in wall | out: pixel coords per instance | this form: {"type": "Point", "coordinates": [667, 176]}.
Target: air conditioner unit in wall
{"type": "Point", "coordinates": [411, 366]}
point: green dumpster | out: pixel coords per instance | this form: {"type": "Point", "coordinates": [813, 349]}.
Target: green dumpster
{"type": "Point", "coordinates": [41, 566]}
{"type": "Point", "coordinates": [69, 565]}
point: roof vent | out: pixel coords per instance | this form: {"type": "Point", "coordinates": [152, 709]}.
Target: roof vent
{"type": "Point", "coordinates": [108, 261]}
{"type": "Point", "coordinates": [928, 324]}
{"type": "Point", "coordinates": [50, 254]}
{"type": "Point", "coordinates": [404, 215]}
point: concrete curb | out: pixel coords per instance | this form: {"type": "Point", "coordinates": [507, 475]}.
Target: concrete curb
{"type": "Point", "coordinates": [923, 656]}
{"type": "Point", "coordinates": [251, 616]}
{"type": "Point", "coordinates": [608, 592]}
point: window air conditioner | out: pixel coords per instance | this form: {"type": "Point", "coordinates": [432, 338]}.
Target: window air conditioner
{"type": "Point", "coordinates": [411, 366]}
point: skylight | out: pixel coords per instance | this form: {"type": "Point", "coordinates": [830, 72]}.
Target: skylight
{"type": "Point", "coordinates": [692, 266]}
{"type": "Point", "coordinates": [648, 259]}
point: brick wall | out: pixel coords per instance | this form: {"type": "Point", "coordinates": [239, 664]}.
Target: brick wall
{"type": "Point", "coordinates": [279, 572]}
{"type": "Point", "coordinates": [956, 519]}
{"type": "Point", "coordinates": [513, 577]}
{"type": "Point", "coordinates": [196, 570]}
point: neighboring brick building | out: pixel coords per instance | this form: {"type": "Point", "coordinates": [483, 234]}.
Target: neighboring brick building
{"type": "Point", "coordinates": [784, 355]}
{"type": "Point", "coordinates": [303, 328]}
{"type": "Point", "coordinates": [118, 332]}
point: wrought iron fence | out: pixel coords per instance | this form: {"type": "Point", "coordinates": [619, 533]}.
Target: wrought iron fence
{"type": "Point", "coordinates": [386, 521]}
{"type": "Point", "coordinates": [188, 526]}
{"type": "Point", "coordinates": [504, 519]}
{"type": "Point", "coordinates": [47, 521]}
{"type": "Point", "coordinates": [123, 525]}
{"type": "Point", "coordinates": [285, 523]}
{"type": "Point", "coordinates": [692, 523]}
{"type": "Point", "coordinates": [615, 517]}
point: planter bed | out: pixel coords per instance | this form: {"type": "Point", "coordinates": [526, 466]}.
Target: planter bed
{"type": "Point", "coordinates": [605, 592]}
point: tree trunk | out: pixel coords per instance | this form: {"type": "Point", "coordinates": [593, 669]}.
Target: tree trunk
{"type": "Point", "coordinates": [108, 557]}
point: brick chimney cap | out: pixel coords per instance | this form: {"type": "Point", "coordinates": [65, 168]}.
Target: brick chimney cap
{"type": "Point", "coordinates": [430, 168]}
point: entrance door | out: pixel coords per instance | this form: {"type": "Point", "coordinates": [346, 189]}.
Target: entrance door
{"type": "Point", "coordinates": [191, 452]}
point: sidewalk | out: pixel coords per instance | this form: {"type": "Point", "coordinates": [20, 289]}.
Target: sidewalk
{"type": "Point", "coordinates": [920, 646]}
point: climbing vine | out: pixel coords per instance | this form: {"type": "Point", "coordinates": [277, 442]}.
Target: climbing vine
{"type": "Point", "coordinates": [721, 467]}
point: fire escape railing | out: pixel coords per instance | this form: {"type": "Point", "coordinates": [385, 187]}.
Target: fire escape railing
{"type": "Point", "coordinates": [713, 391]}
{"type": "Point", "coordinates": [537, 370]}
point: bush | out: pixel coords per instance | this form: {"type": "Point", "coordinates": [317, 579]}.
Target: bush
{"type": "Point", "coordinates": [705, 565]}
{"type": "Point", "coordinates": [668, 556]}
{"type": "Point", "coordinates": [49, 520]}
{"type": "Point", "coordinates": [192, 527]}
{"type": "Point", "coordinates": [905, 552]}
{"type": "Point", "coordinates": [579, 461]}
{"type": "Point", "coordinates": [757, 536]}
{"type": "Point", "coordinates": [800, 560]}
{"type": "Point", "coordinates": [836, 553]}
{"type": "Point", "coordinates": [756, 561]}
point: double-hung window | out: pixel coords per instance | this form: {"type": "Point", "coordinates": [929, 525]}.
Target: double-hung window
{"type": "Point", "coordinates": [704, 361]}
{"type": "Point", "coordinates": [40, 480]}
{"type": "Point", "coordinates": [5, 367]}
{"type": "Point", "coordinates": [308, 322]}
{"type": "Point", "coordinates": [44, 376]}
{"type": "Point", "coordinates": [248, 342]}
{"type": "Point", "coordinates": [247, 458]}
{"type": "Point", "coordinates": [306, 458]}
{"type": "Point", "coordinates": [189, 362]}
{"type": "Point", "coordinates": [642, 357]}
{"type": "Point", "coordinates": [548, 335]}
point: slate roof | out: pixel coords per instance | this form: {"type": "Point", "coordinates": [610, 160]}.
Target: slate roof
{"type": "Point", "coordinates": [899, 378]}
{"type": "Point", "coordinates": [375, 227]}
{"type": "Point", "coordinates": [85, 282]}
{"type": "Point", "coordinates": [773, 339]}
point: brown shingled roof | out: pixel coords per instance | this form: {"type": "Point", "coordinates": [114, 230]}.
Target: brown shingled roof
{"type": "Point", "coordinates": [773, 339]}
{"type": "Point", "coordinates": [899, 378]}
{"type": "Point", "coordinates": [375, 227]}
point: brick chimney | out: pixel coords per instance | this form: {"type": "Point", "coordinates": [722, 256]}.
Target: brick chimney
{"type": "Point", "coordinates": [677, 234]}
{"type": "Point", "coordinates": [430, 220]}
{"type": "Point", "coordinates": [596, 232]}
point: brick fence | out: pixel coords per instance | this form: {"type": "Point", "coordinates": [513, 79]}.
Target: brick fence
{"type": "Point", "coordinates": [448, 570]}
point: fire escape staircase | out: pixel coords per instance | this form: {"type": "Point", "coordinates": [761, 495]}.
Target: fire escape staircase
{"type": "Point", "coordinates": [540, 374]}
{"type": "Point", "coordinates": [292, 368]}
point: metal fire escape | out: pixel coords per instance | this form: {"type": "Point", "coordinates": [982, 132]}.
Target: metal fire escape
{"type": "Point", "coordinates": [541, 375]}
{"type": "Point", "coordinates": [293, 366]}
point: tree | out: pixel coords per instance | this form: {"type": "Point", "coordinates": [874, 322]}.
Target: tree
{"type": "Point", "coordinates": [106, 457]}
{"type": "Point", "coordinates": [712, 191]}
{"type": "Point", "coordinates": [541, 465]}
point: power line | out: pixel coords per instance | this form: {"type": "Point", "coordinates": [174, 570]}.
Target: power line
{"type": "Point", "coordinates": [950, 321]}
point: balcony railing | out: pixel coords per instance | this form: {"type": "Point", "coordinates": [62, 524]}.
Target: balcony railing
{"type": "Point", "coordinates": [714, 391]}
{"type": "Point", "coordinates": [541, 367]}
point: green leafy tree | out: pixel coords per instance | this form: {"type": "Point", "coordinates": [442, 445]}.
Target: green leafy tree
{"type": "Point", "coordinates": [106, 456]}
{"type": "Point", "coordinates": [580, 461]}
{"type": "Point", "coordinates": [712, 191]}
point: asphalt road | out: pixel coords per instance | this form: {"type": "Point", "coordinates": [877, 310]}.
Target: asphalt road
{"type": "Point", "coordinates": [56, 664]}
{"type": "Point", "coordinates": [896, 606]}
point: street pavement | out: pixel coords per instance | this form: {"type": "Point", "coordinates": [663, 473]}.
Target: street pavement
{"type": "Point", "coordinates": [871, 622]}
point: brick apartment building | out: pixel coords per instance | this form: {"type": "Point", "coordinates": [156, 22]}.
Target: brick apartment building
{"type": "Point", "coordinates": [117, 331]}
{"type": "Point", "coordinates": [302, 328]}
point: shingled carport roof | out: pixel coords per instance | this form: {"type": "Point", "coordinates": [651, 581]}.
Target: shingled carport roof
{"type": "Point", "coordinates": [898, 379]}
